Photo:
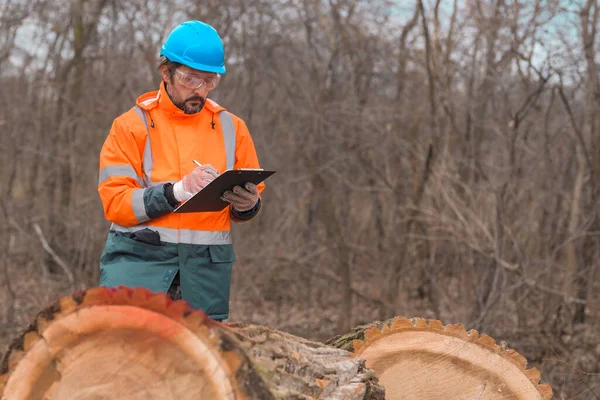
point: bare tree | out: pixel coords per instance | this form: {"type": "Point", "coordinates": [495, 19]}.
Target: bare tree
{"type": "Point", "coordinates": [435, 159]}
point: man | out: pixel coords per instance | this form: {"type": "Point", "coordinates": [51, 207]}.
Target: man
{"type": "Point", "coordinates": [147, 168]}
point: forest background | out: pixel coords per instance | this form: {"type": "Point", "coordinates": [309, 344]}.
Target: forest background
{"type": "Point", "coordinates": [435, 158]}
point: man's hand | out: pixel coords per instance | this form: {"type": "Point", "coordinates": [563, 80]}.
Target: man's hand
{"type": "Point", "coordinates": [194, 182]}
{"type": "Point", "coordinates": [242, 198]}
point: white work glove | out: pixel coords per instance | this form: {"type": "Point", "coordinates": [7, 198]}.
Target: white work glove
{"type": "Point", "coordinates": [193, 182]}
{"type": "Point", "coordinates": [242, 198]}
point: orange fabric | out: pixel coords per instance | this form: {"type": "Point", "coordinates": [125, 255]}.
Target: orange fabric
{"type": "Point", "coordinates": [176, 139]}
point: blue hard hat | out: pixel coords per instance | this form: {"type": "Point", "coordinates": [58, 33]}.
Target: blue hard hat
{"type": "Point", "coordinates": [197, 45]}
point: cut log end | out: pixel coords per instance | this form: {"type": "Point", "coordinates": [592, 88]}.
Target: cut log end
{"type": "Point", "coordinates": [123, 343]}
{"type": "Point", "coordinates": [420, 359]}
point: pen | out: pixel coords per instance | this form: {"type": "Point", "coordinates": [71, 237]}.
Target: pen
{"type": "Point", "coordinates": [197, 163]}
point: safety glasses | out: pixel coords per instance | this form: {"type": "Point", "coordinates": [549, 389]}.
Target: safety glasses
{"type": "Point", "coordinates": [195, 80]}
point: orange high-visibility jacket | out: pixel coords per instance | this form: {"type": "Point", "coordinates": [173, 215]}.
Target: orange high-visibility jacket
{"type": "Point", "coordinates": [155, 143]}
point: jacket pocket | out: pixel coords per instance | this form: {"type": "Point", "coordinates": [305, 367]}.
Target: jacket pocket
{"type": "Point", "coordinates": [147, 236]}
{"type": "Point", "coordinates": [131, 239]}
{"type": "Point", "coordinates": [221, 253]}
{"type": "Point", "coordinates": [127, 245]}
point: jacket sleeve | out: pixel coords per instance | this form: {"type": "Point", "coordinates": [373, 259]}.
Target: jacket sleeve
{"type": "Point", "coordinates": [124, 195]}
{"type": "Point", "coordinates": [245, 157]}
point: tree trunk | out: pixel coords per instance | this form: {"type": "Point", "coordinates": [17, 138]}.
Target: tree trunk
{"type": "Point", "coordinates": [133, 344]}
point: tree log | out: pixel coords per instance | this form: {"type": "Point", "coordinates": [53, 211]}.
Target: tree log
{"type": "Point", "coordinates": [423, 359]}
{"type": "Point", "coordinates": [134, 344]}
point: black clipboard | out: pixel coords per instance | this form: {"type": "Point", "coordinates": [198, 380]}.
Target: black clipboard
{"type": "Point", "coordinates": [209, 198]}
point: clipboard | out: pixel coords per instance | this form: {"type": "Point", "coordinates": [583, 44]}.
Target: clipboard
{"type": "Point", "coordinates": [209, 198]}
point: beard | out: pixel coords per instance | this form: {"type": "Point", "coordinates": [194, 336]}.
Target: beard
{"type": "Point", "coordinates": [191, 105]}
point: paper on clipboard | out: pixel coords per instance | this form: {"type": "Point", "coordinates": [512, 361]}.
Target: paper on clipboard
{"type": "Point", "coordinates": [209, 198]}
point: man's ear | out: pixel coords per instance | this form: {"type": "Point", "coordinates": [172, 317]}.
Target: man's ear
{"type": "Point", "coordinates": [164, 72]}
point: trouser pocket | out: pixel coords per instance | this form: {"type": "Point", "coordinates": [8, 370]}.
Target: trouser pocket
{"type": "Point", "coordinates": [206, 279]}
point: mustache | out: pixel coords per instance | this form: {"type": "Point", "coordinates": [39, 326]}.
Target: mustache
{"type": "Point", "coordinates": [196, 98]}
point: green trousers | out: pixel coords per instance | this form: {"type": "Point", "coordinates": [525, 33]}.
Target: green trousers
{"type": "Point", "coordinates": [204, 270]}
